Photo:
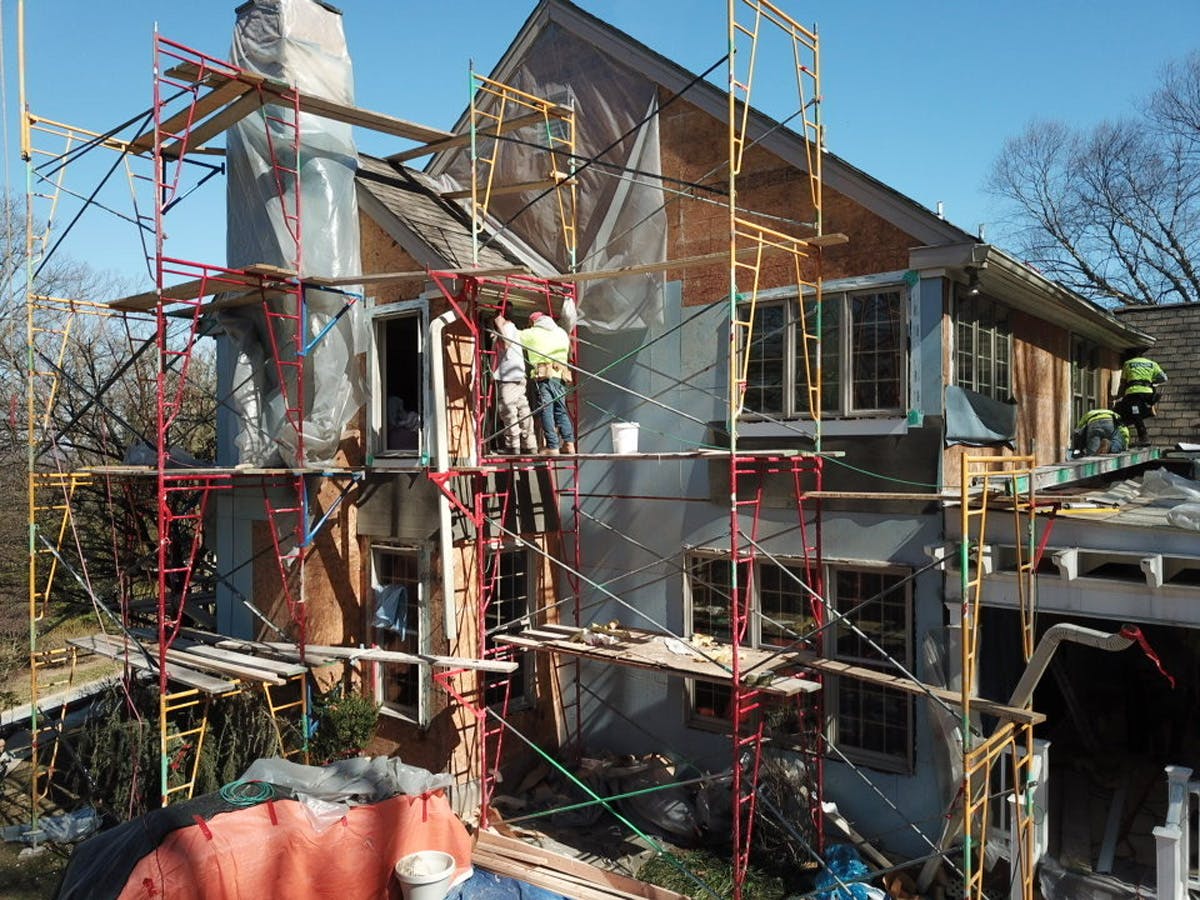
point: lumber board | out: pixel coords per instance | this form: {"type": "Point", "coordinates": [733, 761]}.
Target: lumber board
{"type": "Point", "coordinates": [504, 190]}
{"type": "Point", "coordinates": [202, 643]}
{"type": "Point", "coordinates": [683, 262]}
{"type": "Point", "coordinates": [116, 650]}
{"type": "Point", "coordinates": [198, 288]}
{"type": "Point", "coordinates": [243, 106]}
{"type": "Point", "coordinates": [387, 277]}
{"type": "Point", "coordinates": [284, 669]}
{"type": "Point", "coordinates": [520, 856]}
{"type": "Point", "coordinates": [395, 656]}
{"type": "Point", "coordinates": [646, 650]}
{"type": "Point", "coordinates": [917, 688]}
{"type": "Point", "coordinates": [220, 667]}
{"type": "Point", "coordinates": [462, 140]}
{"type": "Point", "coordinates": [195, 113]}
{"type": "Point", "coordinates": [638, 651]}
{"type": "Point", "coordinates": [148, 300]}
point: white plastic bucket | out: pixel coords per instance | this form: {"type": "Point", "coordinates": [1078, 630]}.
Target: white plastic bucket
{"type": "Point", "coordinates": [425, 875]}
{"type": "Point", "coordinates": [624, 437]}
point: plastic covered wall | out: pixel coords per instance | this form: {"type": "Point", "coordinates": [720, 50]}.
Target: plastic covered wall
{"type": "Point", "coordinates": [301, 43]}
{"type": "Point", "coordinates": [621, 217]}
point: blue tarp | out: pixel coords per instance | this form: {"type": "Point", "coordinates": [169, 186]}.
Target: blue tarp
{"type": "Point", "coordinates": [489, 886]}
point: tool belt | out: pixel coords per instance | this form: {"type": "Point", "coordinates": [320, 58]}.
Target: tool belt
{"type": "Point", "coordinates": [545, 370]}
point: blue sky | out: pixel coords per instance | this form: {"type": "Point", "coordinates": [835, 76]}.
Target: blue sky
{"type": "Point", "coordinates": [919, 93]}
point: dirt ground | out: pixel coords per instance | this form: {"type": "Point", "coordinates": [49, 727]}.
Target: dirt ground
{"type": "Point", "coordinates": [31, 877]}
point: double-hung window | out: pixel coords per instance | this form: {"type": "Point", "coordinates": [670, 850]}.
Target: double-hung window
{"type": "Point", "coordinates": [399, 623]}
{"type": "Point", "coordinates": [982, 347]}
{"type": "Point", "coordinates": [871, 724]}
{"type": "Point", "coordinates": [870, 626]}
{"type": "Point", "coordinates": [863, 352]}
{"type": "Point", "coordinates": [509, 609]}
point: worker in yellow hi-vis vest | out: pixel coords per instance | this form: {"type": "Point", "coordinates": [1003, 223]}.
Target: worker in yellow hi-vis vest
{"type": "Point", "coordinates": [547, 347]}
{"type": "Point", "coordinates": [1140, 377]}
{"type": "Point", "coordinates": [1100, 431]}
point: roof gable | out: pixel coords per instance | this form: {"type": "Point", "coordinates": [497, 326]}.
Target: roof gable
{"type": "Point", "coordinates": [848, 180]}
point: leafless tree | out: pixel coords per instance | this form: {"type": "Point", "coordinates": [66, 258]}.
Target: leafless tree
{"type": "Point", "coordinates": [94, 398]}
{"type": "Point", "coordinates": [1113, 211]}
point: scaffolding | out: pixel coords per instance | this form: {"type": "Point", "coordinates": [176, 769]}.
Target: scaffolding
{"type": "Point", "coordinates": [196, 98]}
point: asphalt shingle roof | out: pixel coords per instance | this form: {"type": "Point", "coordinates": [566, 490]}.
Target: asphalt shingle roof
{"type": "Point", "coordinates": [414, 198]}
{"type": "Point", "coordinates": [1176, 330]}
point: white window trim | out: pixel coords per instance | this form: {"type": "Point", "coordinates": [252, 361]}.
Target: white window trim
{"type": "Point", "coordinates": [424, 638]}
{"type": "Point", "coordinates": [793, 403]}
{"type": "Point", "coordinates": [377, 454]}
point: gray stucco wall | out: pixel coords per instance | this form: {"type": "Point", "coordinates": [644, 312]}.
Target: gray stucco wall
{"type": "Point", "coordinates": [633, 551]}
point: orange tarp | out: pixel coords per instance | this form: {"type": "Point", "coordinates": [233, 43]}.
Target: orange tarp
{"type": "Point", "coordinates": [272, 850]}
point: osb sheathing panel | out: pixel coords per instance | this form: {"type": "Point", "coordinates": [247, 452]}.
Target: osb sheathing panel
{"type": "Point", "coordinates": [450, 742]}
{"type": "Point", "coordinates": [332, 608]}
{"type": "Point", "coordinates": [1041, 378]}
{"type": "Point", "coordinates": [695, 149]}
{"type": "Point", "coordinates": [382, 254]}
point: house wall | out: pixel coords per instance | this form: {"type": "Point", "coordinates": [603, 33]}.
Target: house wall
{"type": "Point", "coordinates": [629, 710]}
{"type": "Point", "coordinates": [402, 507]}
{"type": "Point", "coordinates": [692, 143]}
{"type": "Point", "coordinates": [1041, 382]}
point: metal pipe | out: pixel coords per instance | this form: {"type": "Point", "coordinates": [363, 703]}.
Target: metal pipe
{"type": "Point", "coordinates": [1054, 636]}
{"type": "Point", "coordinates": [442, 464]}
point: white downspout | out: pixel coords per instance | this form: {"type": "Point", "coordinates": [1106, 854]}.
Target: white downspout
{"type": "Point", "coordinates": [441, 442]}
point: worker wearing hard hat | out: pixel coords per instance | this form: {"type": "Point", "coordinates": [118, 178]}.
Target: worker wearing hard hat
{"type": "Point", "coordinates": [547, 347]}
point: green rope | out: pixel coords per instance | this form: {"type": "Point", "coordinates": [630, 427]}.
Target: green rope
{"type": "Point", "coordinates": [654, 845]}
{"type": "Point", "coordinates": [625, 796]}
{"type": "Point", "coordinates": [246, 793]}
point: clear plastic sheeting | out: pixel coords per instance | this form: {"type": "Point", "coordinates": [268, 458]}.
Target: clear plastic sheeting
{"type": "Point", "coordinates": [357, 780]}
{"type": "Point", "coordinates": [1185, 515]}
{"type": "Point", "coordinates": [301, 43]}
{"type": "Point", "coordinates": [620, 214]}
{"type": "Point", "coordinates": [937, 649]}
{"type": "Point", "coordinates": [61, 829]}
{"type": "Point", "coordinates": [1058, 883]}
{"type": "Point", "coordinates": [1160, 484]}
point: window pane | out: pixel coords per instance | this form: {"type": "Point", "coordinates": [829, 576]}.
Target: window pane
{"type": "Point", "coordinates": [878, 350]}
{"type": "Point", "coordinates": [508, 610]}
{"type": "Point", "coordinates": [713, 701]}
{"type": "Point", "coordinates": [784, 604]}
{"type": "Point", "coordinates": [883, 619]}
{"type": "Point", "coordinates": [711, 597]}
{"type": "Point", "coordinates": [400, 683]}
{"type": "Point", "coordinates": [873, 718]}
{"type": "Point", "coordinates": [830, 355]}
{"type": "Point", "coordinates": [765, 374]}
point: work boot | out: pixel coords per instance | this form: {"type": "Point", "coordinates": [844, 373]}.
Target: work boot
{"type": "Point", "coordinates": [568, 448]}
{"type": "Point", "coordinates": [550, 451]}
{"type": "Point", "coordinates": [1105, 444]}
{"type": "Point", "coordinates": [531, 450]}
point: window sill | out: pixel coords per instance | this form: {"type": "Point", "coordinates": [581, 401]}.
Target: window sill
{"type": "Point", "coordinates": [408, 716]}
{"type": "Point", "coordinates": [878, 426]}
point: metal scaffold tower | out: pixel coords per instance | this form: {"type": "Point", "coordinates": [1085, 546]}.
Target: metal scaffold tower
{"type": "Point", "coordinates": [981, 788]}
{"type": "Point", "coordinates": [749, 242]}
{"type": "Point", "coordinates": [485, 494]}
